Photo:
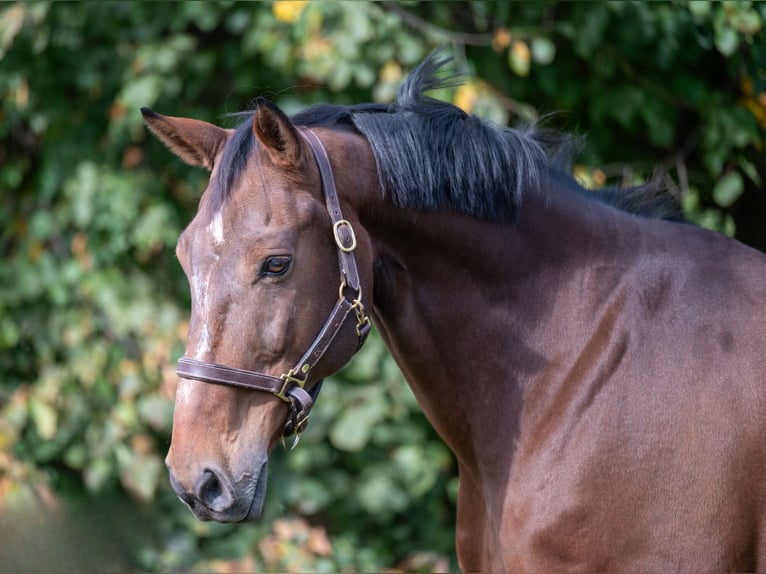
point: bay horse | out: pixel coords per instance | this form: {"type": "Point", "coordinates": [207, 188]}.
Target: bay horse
{"type": "Point", "coordinates": [597, 368]}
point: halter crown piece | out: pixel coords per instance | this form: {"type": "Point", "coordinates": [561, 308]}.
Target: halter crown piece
{"type": "Point", "coordinates": [289, 386]}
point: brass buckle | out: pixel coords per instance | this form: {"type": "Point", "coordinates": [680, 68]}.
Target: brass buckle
{"type": "Point", "coordinates": [336, 233]}
{"type": "Point", "coordinates": [288, 378]}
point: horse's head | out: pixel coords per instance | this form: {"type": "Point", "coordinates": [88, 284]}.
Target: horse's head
{"type": "Point", "coordinates": [272, 309]}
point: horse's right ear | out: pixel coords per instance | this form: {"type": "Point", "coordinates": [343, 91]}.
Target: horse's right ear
{"type": "Point", "coordinates": [277, 133]}
{"type": "Point", "coordinates": [194, 141]}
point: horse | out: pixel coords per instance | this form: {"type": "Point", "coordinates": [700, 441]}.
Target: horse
{"type": "Point", "coordinates": [596, 365]}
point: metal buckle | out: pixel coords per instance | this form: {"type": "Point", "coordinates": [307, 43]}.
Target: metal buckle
{"type": "Point", "coordinates": [296, 440]}
{"type": "Point", "coordinates": [362, 320]}
{"type": "Point", "coordinates": [299, 419]}
{"type": "Point", "coordinates": [298, 416]}
{"type": "Point", "coordinates": [363, 324]}
{"type": "Point", "coordinates": [336, 233]}
{"type": "Point", "coordinates": [290, 378]}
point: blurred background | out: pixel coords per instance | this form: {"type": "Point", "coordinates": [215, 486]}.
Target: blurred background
{"type": "Point", "coordinates": [94, 307]}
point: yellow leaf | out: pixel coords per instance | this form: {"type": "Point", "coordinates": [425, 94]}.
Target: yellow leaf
{"type": "Point", "coordinates": [288, 11]}
{"type": "Point", "coordinates": [465, 97]}
{"type": "Point", "coordinates": [589, 177]}
{"type": "Point", "coordinates": [501, 39]}
{"type": "Point", "coordinates": [391, 72]}
{"type": "Point", "coordinates": [519, 58]}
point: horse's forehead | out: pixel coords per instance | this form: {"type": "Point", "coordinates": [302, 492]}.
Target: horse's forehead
{"type": "Point", "coordinates": [249, 214]}
{"type": "Point", "coordinates": [265, 191]}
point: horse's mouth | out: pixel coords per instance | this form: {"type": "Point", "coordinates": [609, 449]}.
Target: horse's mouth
{"type": "Point", "coordinates": [255, 511]}
{"type": "Point", "coordinates": [249, 498]}
{"type": "Point", "coordinates": [240, 502]}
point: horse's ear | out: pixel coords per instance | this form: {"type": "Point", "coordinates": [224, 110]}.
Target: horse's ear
{"type": "Point", "coordinates": [277, 133]}
{"type": "Point", "coordinates": [194, 141]}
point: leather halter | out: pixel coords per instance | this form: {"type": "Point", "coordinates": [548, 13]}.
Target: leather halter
{"type": "Point", "coordinates": [290, 386]}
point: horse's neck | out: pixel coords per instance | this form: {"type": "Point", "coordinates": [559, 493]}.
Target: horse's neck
{"type": "Point", "coordinates": [467, 307]}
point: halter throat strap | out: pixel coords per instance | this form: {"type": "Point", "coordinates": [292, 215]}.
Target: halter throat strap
{"type": "Point", "coordinates": [289, 387]}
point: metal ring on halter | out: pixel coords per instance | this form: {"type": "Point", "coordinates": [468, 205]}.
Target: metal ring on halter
{"type": "Point", "coordinates": [336, 233]}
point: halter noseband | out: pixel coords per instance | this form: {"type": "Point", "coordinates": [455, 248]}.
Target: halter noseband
{"type": "Point", "coordinates": [289, 386]}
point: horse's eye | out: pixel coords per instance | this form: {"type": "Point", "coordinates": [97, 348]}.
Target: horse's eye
{"type": "Point", "coordinates": [276, 265]}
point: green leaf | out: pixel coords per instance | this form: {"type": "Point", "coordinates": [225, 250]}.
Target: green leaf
{"type": "Point", "coordinates": [156, 411]}
{"type": "Point", "coordinates": [728, 189]}
{"type": "Point", "coordinates": [750, 170]}
{"type": "Point", "coordinates": [699, 8]}
{"type": "Point", "coordinates": [97, 473]}
{"type": "Point", "coordinates": [379, 493]}
{"type": "Point", "coordinates": [543, 51]}
{"type": "Point", "coordinates": [746, 20]}
{"type": "Point", "coordinates": [352, 431]}
{"type": "Point", "coordinates": [726, 37]}
{"type": "Point", "coordinates": [589, 36]}
{"type": "Point", "coordinates": [45, 417]}
{"type": "Point", "coordinates": [9, 333]}
{"type": "Point", "coordinates": [11, 22]}
{"type": "Point", "coordinates": [139, 473]}
{"type": "Point", "coordinates": [76, 456]}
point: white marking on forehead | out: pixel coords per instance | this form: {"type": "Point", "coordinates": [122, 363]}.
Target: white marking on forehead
{"type": "Point", "coordinates": [199, 285]}
{"type": "Point", "coordinates": [216, 228]}
{"type": "Point", "coordinates": [204, 344]}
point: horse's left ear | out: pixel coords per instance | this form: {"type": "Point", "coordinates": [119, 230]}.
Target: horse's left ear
{"type": "Point", "coordinates": [194, 141]}
{"type": "Point", "coordinates": [277, 133]}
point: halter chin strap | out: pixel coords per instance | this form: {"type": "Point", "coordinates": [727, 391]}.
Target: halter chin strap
{"type": "Point", "coordinates": [289, 386]}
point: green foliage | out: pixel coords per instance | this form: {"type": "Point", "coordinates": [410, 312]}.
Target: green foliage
{"type": "Point", "coordinates": [93, 306]}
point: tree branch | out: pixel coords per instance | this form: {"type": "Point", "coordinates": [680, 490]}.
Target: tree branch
{"type": "Point", "coordinates": [426, 27]}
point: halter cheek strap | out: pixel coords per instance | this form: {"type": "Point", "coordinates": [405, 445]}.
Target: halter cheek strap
{"type": "Point", "coordinates": [289, 387]}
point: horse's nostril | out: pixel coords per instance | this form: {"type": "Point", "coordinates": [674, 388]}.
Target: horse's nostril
{"type": "Point", "coordinates": [208, 487]}
{"type": "Point", "coordinates": [211, 491]}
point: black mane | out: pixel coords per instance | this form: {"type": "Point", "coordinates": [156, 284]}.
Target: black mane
{"type": "Point", "coordinates": [431, 155]}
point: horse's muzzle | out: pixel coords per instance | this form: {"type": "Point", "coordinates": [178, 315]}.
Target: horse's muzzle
{"type": "Point", "coordinates": [212, 495]}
